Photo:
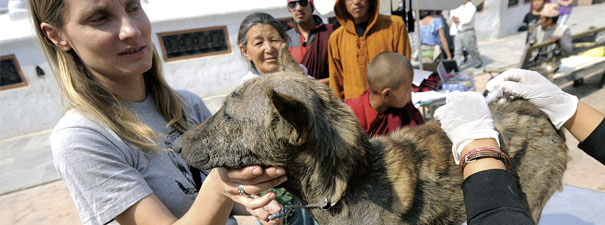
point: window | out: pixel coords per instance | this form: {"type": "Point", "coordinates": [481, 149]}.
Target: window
{"type": "Point", "coordinates": [193, 43]}
{"type": "Point", "coordinates": [512, 3]}
{"type": "Point", "coordinates": [481, 7]}
{"type": "Point", "coordinates": [11, 75]}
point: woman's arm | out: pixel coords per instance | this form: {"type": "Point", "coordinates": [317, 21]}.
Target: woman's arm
{"type": "Point", "coordinates": [563, 109]}
{"type": "Point", "coordinates": [335, 68]}
{"type": "Point", "coordinates": [214, 201]}
{"type": "Point", "coordinates": [583, 122]}
{"type": "Point", "coordinates": [565, 3]}
{"type": "Point", "coordinates": [482, 163]}
{"type": "Point", "coordinates": [491, 194]}
{"type": "Point", "coordinates": [444, 44]}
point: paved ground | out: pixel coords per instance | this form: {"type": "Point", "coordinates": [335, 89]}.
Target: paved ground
{"type": "Point", "coordinates": [31, 191]}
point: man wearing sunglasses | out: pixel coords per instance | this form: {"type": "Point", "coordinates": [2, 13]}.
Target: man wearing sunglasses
{"type": "Point", "coordinates": [363, 34]}
{"type": "Point", "coordinates": [309, 39]}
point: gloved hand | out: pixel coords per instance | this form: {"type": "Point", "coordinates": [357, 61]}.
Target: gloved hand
{"type": "Point", "coordinates": [465, 117]}
{"type": "Point", "coordinates": [558, 105]}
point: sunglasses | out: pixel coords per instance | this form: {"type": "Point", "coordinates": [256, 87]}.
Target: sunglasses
{"type": "Point", "coordinates": [302, 3]}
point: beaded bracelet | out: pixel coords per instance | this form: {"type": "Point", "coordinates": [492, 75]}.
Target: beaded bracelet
{"type": "Point", "coordinates": [484, 152]}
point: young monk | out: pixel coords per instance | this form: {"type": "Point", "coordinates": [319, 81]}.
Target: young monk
{"type": "Point", "coordinates": [386, 106]}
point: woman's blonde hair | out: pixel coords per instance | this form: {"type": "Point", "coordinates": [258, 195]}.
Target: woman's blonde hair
{"type": "Point", "coordinates": [87, 95]}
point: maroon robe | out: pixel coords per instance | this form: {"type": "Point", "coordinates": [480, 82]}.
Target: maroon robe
{"type": "Point", "coordinates": [313, 55]}
{"type": "Point", "coordinates": [390, 120]}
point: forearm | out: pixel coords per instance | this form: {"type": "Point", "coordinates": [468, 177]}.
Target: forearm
{"type": "Point", "coordinates": [404, 44]}
{"type": "Point", "coordinates": [210, 206]}
{"type": "Point", "coordinates": [334, 69]}
{"type": "Point", "coordinates": [444, 44]}
{"type": "Point", "coordinates": [490, 193]}
{"type": "Point", "coordinates": [583, 122]}
{"type": "Point", "coordinates": [325, 81]}
{"type": "Point", "coordinates": [492, 197]}
{"type": "Point", "coordinates": [483, 163]}
{"type": "Point", "coordinates": [565, 3]}
{"type": "Point", "coordinates": [565, 43]}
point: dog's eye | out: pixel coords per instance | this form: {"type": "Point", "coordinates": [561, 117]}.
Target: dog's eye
{"type": "Point", "coordinates": [226, 117]}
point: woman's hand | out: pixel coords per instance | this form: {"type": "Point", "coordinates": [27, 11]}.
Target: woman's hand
{"type": "Point", "coordinates": [251, 181]}
{"type": "Point", "coordinates": [465, 118]}
{"type": "Point", "coordinates": [262, 214]}
{"type": "Point", "coordinates": [530, 85]}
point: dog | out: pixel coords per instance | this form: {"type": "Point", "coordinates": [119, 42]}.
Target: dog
{"type": "Point", "coordinates": [286, 119]}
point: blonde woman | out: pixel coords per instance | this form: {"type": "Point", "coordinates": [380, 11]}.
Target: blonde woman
{"type": "Point", "coordinates": [110, 147]}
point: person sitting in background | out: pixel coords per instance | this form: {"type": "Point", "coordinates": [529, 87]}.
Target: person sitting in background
{"type": "Point", "coordinates": [530, 21]}
{"type": "Point", "coordinates": [386, 106]}
{"type": "Point", "coordinates": [550, 31]}
{"type": "Point", "coordinates": [432, 36]}
{"type": "Point", "coordinates": [309, 39]}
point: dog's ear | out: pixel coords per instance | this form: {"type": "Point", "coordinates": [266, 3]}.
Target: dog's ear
{"type": "Point", "coordinates": [338, 188]}
{"type": "Point", "coordinates": [286, 62]}
{"type": "Point", "coordinates": [296, 112]}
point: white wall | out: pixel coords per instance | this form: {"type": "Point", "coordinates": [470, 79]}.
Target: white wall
{"type": "Point", "coordinates": [34, 107]}
{"type": "Point", "coordinates": [498, 20]}
{"type": "Point", "coordinates": [211, 77]}
{"type": "Point", "coordinates": [512, 18]}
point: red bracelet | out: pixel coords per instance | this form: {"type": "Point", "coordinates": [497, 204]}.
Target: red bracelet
{"type": "Point", "coordinates": [484, 152]}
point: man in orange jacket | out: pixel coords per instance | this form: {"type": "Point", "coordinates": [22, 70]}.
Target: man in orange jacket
{"type": "Point", "coordinates": [363, 34]}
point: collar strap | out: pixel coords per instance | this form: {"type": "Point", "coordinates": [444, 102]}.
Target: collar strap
{"type": "Point", "coordinates": [323, 203]}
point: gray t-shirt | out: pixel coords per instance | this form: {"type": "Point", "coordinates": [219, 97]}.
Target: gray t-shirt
{"type": "Point", "coordinates": [106, 176]}
{"type": "Point", "coordinates": [541, 35]}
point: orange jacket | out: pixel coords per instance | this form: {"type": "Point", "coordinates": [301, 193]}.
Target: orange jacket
{"type": "Point", "coordinates": [349, 55]}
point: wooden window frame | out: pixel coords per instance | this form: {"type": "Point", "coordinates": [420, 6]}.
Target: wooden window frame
{"type": "Point", "coordinates": [23, 83]}
{"type": "Point", "coordinates": [513, 5]}
{"type": "Point", "coordinates": [483, 8]}
{"type": "Point", "coordinates": [199, 55]}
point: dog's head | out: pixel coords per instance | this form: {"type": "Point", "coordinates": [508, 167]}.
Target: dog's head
{"type": "Point", "coordinates": [282, 119]}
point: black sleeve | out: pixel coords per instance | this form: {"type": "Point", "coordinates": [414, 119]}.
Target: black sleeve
{"type": "Point", "coordinates": [526, 18]}
{"type": "Point", "coordinates": [594, 144]}
{"type": "Point", "coordinates": [492, 197]}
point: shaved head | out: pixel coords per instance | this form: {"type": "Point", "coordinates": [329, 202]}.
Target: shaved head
{"type": "Point", "coordinates": [389, 70]}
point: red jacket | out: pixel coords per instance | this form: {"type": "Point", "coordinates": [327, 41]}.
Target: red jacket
{"type": "Point", "coordinates": [390, 120]}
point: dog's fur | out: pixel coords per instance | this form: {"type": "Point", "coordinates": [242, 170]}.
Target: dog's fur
{"type": "Point", "coordinates": [409, 177]}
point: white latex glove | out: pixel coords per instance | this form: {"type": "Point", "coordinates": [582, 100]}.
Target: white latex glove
{"type": "Point", "coordinates": [558, 105]}
{"type": "Point", "coordinates": [465, 117]}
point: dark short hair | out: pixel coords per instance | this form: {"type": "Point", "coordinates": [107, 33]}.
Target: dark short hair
{"type": "Point", "coordinates": [258, 18]}
{"type": "Point", "coordinates": [555, 19]}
